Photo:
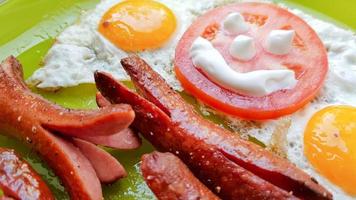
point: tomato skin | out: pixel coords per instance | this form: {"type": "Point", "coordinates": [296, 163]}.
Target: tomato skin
{"type": "Point", "coordinates": [310, 71]}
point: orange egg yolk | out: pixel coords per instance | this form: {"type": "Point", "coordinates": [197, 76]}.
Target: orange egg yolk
{"type": "Point", "coordinates": [330, 145]}
{"type": "Point", "coordinates": [137, 25]}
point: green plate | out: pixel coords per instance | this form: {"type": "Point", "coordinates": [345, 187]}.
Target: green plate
{"type": "Point", "coordinates": [28, 29]}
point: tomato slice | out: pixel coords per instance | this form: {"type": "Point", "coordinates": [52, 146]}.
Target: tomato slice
{"type": "Point", "coordinates": [308, 58]}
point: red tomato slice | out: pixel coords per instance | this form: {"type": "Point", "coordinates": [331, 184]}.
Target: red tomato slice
{"type": "Point", "coordinates": [308, 58]}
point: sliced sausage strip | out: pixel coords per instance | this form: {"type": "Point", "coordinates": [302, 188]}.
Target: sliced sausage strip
{"type": "Point", "coordinates": [19, 119]}
{"type": "Point", "coordinates": [70, 165]}
{"type": "Point", "coordinates": [67, 122]}
{"type": "Point", "coordinates": [124, 140]}
{"type": "Point", "coordinates": [48, 129]}
{"type": "Point", "coordinates": [102, 122]}
{"type": "Point", "coordinates": [106, 167]}
{"type": "Point", "coordinates": [170, 179]}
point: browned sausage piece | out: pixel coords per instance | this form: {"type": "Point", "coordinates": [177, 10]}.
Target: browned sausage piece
{"type": "Point", "coordinates": [21, 116]}
{"type": "Point", "coordinates": [18, 99]}
{"type": "Point", "coordinates": [170, 179]}
{"type": "Point", "coordinates": [18, 180]}
{"type": "Point", "coordinates": [232, 167]}
{"type": "Point", "coordinates": [206, 161]}
{"type": "Point", "coordinates": [49, 128]}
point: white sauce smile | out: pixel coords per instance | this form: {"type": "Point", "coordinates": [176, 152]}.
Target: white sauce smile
{"type": "Point", "coordinates": [255, 83]}
{"type": "Point", "coordinates": [243, 48]}
{"type": "Point", "coordinates": [279, 42]}
{"type": "Point", "coordinates": [235, 23]}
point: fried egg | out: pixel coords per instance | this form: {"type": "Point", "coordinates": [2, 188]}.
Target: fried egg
{"type": "Point", "coordinates": [320, 138]}
{"type": "Point", "coordinates": [330, 145]}
{"type": "Point", "coordinates": [113, 30]}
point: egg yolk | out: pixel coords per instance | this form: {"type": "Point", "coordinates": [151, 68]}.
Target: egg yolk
{"type": "Point", "coordinates": [330, 145]}
{"type": "Point", "coordinates": [136, 25]}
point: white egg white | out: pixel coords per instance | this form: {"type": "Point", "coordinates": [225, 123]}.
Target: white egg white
{"type": "Point", "coordinates": [80, 50]}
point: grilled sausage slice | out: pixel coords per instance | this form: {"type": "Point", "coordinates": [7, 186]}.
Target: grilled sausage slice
{"type": "Point", "coordinates": [49, 129]}
{"type": "Point", "coordinates": [216, 156]}
{"type": "Point", "coordinates": [170, 179]}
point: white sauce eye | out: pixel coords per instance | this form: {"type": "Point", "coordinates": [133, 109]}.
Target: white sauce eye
{"type": "Point", "coordinates": [243, 48]}
{"type": "Point", "coordinates": [235, 23]}
{"type": "Point", "coordinates": [279, 42]}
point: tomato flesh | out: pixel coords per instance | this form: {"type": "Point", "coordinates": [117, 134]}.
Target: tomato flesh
{"type": "Point", "coordinates": [308, 58]}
